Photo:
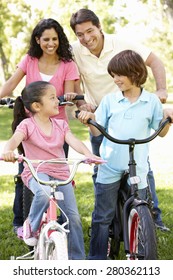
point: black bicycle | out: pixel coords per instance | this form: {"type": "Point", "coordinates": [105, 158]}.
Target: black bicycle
{"type": "Point", "coordinates": [133, 223]}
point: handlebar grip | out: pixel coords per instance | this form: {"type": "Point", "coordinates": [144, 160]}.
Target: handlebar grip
{"type": "Point", "coordinates": [89, 121]}
{"type": "Point", "coordinates": [77, 113]}
{"type": "Point", "coordinates": [7, 101]}
{"type": "Point", "coordinates": [77, 97]}
{"type": "Point", "coordinates": [3, 102]}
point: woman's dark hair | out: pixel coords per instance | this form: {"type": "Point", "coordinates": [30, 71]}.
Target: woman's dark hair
{"type": "Point", "coordinates": [129, 63]}
{"type": "Point", "coordinates": [64, 50]}
{"type": "Point", "coordinates": [84, 15]}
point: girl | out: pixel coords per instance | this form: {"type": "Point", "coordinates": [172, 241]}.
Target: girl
{"type": "Point", "coordinates": [129, 113]}
{"type": "Point", "coordinates": [42, 136]}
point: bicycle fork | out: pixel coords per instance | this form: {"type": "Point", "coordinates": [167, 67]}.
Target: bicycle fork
{"type": "Point", "coordinates": [132, 201]}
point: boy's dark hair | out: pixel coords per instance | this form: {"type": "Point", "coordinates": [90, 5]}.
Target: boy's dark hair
{"type": "Point", "coordinates": [129, 63]}
{"type": "Point", "coordinates": [84, 15]}
{"type": "Point", "coordinates": [64, 50]}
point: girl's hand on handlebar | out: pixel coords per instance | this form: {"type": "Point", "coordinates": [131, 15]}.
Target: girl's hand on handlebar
{"type": "Point", "coordinates": [94, 159]}
{"type": "Point", "coordinates": [9, 156]}
{"type": "Point", "coordinates": [84, 116]}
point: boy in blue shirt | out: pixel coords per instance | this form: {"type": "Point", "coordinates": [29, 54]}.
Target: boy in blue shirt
{"type": "Point", "coordinates": [130, 113]}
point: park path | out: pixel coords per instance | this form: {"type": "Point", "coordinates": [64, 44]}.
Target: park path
{"type": "Point", "coordinates": [12, 168]}
{"type": "Point", "coordinates": [161, 156]}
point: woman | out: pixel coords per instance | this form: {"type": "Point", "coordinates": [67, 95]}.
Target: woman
{"type": "Point", "coordinates": [49, 58]}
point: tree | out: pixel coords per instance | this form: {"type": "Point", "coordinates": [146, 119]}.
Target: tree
{"type": "Point", "coordinates": [15, 32]}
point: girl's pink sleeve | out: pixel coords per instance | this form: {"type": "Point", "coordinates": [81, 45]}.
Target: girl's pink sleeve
{"type": "Point", "coordinates": [26, 127]}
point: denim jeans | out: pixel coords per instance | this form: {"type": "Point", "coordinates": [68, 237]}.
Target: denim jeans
{"type": "Point", "coordinates": [156, 210]}
{"type": "Point", "coordinates": [40, 204]}
{"type": "Point", "coordinates": [18, 200]}
{"type": "Point", "coordinates": [95, 143]}
{"type": "Point", "coordinates": [104, 212]}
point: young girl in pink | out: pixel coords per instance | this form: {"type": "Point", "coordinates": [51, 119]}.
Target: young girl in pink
{"type": "Point", "coordinates": [42, 137]}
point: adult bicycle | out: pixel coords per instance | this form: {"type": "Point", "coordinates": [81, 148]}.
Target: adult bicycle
{"type": "Point", "coordinates": [133, 223]}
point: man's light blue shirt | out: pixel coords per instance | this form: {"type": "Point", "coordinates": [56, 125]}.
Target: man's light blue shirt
{"type": "Point", "coordinates": [123, 120]}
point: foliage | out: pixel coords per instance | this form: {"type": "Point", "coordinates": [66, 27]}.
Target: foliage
{"type": "Point", "coordinates": [17, 20]}
{"type": "Point", "coordinates": [14, 18]}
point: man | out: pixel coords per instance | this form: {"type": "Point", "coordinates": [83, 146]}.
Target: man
{"type": "Point", "coordinates": [92, 52]}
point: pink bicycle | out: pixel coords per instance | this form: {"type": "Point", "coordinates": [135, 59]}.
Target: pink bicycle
{"type": "Point", "coordinates": [52, 235]}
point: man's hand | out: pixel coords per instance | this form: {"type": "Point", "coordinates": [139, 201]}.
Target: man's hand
{"type": "Point", "coordinates": [162, 94]}
{"type": "Point", "coordinates": [88, 107]}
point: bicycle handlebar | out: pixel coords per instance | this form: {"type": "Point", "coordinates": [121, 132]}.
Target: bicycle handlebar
{"type": "Point", "coordinates": [73, 162]}
{"type": "Point", "coordinates": [7, 101]}
{"type": "Point", "coordinates": [62, 100]}
{"type": "Point", "coordinates": [130, 140]}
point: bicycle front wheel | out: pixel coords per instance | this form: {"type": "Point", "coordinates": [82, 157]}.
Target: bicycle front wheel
{"type": "Point", "coordinates": [142, 234]}
{"type": "Point", "coordinates": [56, 248]}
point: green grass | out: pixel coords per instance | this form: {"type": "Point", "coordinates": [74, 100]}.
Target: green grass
{"type": "Point", "coordinates": [10, 245]}
{"type": "Point", "coordinates": [5, 123]}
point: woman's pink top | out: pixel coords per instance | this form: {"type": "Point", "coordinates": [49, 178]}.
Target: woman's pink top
{"type": "Point", "coordinates": [37, 145]}
{"type": "Point", "coordinates": [67, 71]}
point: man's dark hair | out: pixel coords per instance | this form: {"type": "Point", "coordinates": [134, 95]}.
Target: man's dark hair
{"type": "Point", "coordinates": [84, 15]}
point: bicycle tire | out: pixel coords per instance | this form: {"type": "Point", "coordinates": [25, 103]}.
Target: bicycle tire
{"type": "Point", "coordinates": [142, 234]}
{"type": "Point", "coordinates": [40, 250]}
{"type": "Point", "coordinates": [56, 248]}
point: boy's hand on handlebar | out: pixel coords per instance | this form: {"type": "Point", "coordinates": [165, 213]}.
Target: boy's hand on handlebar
{"type": "Point", "coordinates": [84, 116]}
{"type": "Point", "coordinates": [168, 112]}
{"type": "Point", "coordinates": [9, 156]}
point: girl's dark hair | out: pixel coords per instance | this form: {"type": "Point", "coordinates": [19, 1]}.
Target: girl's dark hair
{"type": "Point", "coordinates": [64, 50]}
{"type": "Point", "coordinates": [84, 15]}
{"type": "Point", "coordinates": [30, 94]}
{"type": "Point", "coordinates": [129, 63]}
